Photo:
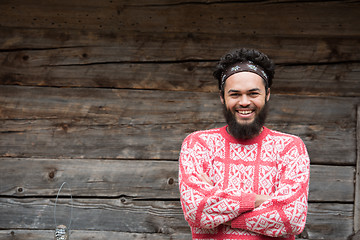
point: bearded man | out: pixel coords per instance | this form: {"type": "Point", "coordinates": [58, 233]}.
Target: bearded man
{"type": "Point", "coordinates": [243, 180]}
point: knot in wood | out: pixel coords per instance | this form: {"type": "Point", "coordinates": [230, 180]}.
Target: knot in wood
{"type": "Point", "coordinates": [170, 181]}
{"type": "Point", "coordinates": [52, 174]}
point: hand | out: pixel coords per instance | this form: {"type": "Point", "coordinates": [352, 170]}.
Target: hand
{"type": "Point", "coordinates": [203, 177]}
{"type": "Point", "coordinates": [259, 199]}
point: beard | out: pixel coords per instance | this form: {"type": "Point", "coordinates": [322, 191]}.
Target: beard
{"type": "Point", "coordinates": [245, 131]}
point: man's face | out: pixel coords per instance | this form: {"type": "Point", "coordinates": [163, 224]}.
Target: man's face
{"type": "Point", "coordinates": [245, 100]}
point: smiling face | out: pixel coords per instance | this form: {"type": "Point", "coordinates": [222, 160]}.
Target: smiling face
{"type": "Point", "coordinates": [245, 98]}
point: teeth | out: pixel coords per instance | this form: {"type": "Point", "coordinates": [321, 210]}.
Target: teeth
{"type": "Point", "coordinates": [245, 112]}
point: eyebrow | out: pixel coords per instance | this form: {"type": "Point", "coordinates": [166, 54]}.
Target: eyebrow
{"type": "Point", "coordinates": [251, 90]}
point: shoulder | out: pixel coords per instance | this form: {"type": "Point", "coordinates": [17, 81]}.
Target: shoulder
{"type": "Point", "coordinates": [285, 136]}
{"type": "Point", "coordinates": [203, 135]}
{"type": "Point", "coordinates": [286, 140]}
{"type": "Point", "coordinates": [291, 149]}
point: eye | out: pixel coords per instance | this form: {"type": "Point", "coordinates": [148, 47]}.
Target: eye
{"type": "Point", "coordinates": [254, 94]}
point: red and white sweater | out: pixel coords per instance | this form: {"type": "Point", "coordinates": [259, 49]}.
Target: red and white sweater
{"type": "Point", "coordinates": [273, 163]}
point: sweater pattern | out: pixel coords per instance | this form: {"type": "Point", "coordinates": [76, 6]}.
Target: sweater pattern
{"type": "Point", "coordinates": [273, 163]}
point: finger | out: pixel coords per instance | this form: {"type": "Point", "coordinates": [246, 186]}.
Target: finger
{"type": "Point", "coordinates": [205, 178]}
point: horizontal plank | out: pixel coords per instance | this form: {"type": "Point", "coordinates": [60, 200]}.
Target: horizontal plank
{"type": "Point", "coordinates": [40, 138]}
{"type": "Point", "coordinates": [85, 47]}
{"type": "Point", "coordinates": [121, 214]}
{"type": "Point", "coordinates": [192, 76]}
{"type": "Point", "coordinates": [135, 124]}
{"type": "Point", "coordinates": [102, 178]}
{"type": "Point", "coordinates": [137, 179]}
{"type": "Point", "coordinates": [357, 178]}
{"type": "Point", "coordinates": [330, 221]}
{"type": "Point", "coordinates": [40, 69]}
{"type": "Point", "coordinates": [326, 144]}
{"type": "Point", "coordinates": [325, 80]}
{"type": "Point", "coordinates": [321, 224]}
{"type": "Point", "coordinates": [194, 37]}
{"type": "Point", "coordinates": [123, 106]}
{"type": "Point", "coordinates": [305, 18]}
{"type": "Point", "coordinates": [81, 139]}
{"type": "Point", "coordinates": [85, 235]}
{"type": "Point", "coordinates": [331, 183]}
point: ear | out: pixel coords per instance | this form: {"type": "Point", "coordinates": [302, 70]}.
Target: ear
{"type": "Point", "coordinates": [268, 95]}
{"type": "Point", "coordinates": [221, 97]}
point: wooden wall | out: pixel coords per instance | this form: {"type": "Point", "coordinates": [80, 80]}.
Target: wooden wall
{"type": "Point", "coordinates": [100, 94]}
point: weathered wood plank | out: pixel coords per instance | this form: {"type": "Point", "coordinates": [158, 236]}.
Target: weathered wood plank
{"type": "Point", "coordinates": [194, 38]}
{"type": "Point", "coordinates": [85, 46]}
{"type": "Point", "coordinates": [86, 235]}
{"type": "Point", "coordinates": [305, 18]}
{"type": "Point", "coordinates": [137, 179]}
{"type": "Point", "coordinates": [42, 138]}
{"type": "Point", "coordinates": [321, 226]}
{"type": "Point", "coordinates": [90, 177]}
{"type": "Point", "coordinates": [109, 123]}
{"type": "Point", "coordinates": [121, 106]}
{"type": "Point", "coordinates": [84, 139]}
{"type": "Point", "coordinates": [331, 183]}
{"type": "Point", "coordinates": [40, 69]}
{"type": "Point", "coordinates": [326, 80]}
{"type": "Point", "coordinates": [124, 215]}
{"type": "Point", "coordinates": [120, 214]}
{"type": "Point", "coordinates": [110, 35]}
{"type": "Point", "coordinates": [111, 105]}
{"type": "Point", "coordinates": [69, 123]}
{"type": "Point", "coordinates": [109, 235]}
{"type": "Point", "coordinates": [357, 177]}
{"type": "Point", "coordinates": [325, 143]}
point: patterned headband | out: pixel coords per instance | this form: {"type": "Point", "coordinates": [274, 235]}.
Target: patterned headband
{"type": "Point", "coordinates": [248, 66]}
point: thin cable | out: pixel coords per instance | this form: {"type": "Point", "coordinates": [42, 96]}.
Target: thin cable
{"type": "Point", "coordinates": [71, 211]}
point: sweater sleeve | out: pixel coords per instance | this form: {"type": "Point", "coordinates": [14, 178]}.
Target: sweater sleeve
{"type": "Point", "coordinates": [204, 205]}
{"type": "Point", "coordinates": [285, 213]}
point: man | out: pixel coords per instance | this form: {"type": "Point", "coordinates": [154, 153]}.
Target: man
{"type": "Point", "coordinates": [244, 181]}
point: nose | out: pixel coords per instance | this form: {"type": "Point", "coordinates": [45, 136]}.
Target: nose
{"type": "Point", "coordinates": [244, 101]}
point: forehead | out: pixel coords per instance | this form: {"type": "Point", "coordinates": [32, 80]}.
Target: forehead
{"type": "Point", "coordinates": [244, 81]}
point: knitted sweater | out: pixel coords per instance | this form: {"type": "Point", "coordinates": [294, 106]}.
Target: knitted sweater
{"type": "Point", "coordinates": [273, 163]}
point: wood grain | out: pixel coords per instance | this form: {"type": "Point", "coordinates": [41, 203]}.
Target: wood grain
{"type": "Point", "coordinates": [41, 69]}
{"type": "Point", "coordinates": [83, 139]}
{"type": "Point", "coordinates": [118, 214]}
{"type": "Point", "coordinates": [85, 46]}
{"type": "Point", "coordinates": [90, 177]}
{"type": "Point", "coordinates": [122, 31]}
{"type": "Point", "coordinates": [357, 178]}
{"type": "Point", "coordinates": [305, 18]}
{"type": "Point", "coordinates": [137, 179]}
{"type": "Point", "coordinates": [101, 94]}
{"type": "Point", "coordinates": [86, 235]}
{"type": "Point", "coordinates": [124, 106]}
{"type": "Point", "coordinates": [123, 124]}
{"type": "Point", "coordinates": [165, 217]}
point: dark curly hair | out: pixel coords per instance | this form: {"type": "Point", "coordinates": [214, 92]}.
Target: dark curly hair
{"type": "Point", "coordinates": [245, 54]}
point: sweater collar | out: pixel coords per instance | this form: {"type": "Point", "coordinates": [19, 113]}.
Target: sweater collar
{"type": "Point", "coordinates": [256, 139]}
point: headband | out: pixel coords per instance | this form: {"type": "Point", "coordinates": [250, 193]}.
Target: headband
{"type": "Point", "coordinates": [248, 66]}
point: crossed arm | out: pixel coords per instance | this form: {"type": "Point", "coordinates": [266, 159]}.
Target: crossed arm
{"type": "Point", "coordinates": [259, 199]}
{"type": "Point", "coordinates": [207, 206]}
